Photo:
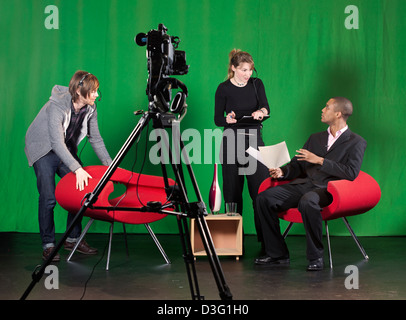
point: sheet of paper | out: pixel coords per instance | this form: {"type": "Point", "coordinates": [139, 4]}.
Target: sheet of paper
{"type": "Point", "coordinates": [273, 156]}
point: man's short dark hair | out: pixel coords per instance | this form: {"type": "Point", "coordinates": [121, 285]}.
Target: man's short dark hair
{"type": "Point", "coordinates": [344, 106]}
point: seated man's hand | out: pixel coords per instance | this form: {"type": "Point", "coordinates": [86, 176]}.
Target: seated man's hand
{"type": "Point", "coordinates": [305, 155]}
{"type": "Point", "coordinates": [275, 173]}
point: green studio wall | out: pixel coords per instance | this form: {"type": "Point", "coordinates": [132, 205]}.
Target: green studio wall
{"type": "Point", "coordinates": [305, 52]}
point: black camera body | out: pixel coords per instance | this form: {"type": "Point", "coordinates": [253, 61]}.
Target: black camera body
{"type": "Point", "coordinates": [161, 48]}
{"type": "Point", "coordinates": [163, 60]}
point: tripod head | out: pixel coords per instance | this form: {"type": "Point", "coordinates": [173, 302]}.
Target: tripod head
{"type": "Point", "coordinates": [163, 93]}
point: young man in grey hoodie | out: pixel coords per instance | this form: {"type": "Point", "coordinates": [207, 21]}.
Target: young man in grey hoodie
{"type": "Point", "coordinates": [51, 145]}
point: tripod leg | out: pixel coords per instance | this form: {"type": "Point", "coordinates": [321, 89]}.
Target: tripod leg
{"type": "Point", "coordinates": [198, 210]}
{"type": "Point", "coordinates": [205, 235]}
{"type": "Point", "coordinates": [189, 259]}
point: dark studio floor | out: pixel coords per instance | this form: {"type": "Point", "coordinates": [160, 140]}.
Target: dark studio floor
{"type": "Point", "coordinates": [145, 276]}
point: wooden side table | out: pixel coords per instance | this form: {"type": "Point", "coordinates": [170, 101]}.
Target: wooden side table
{"type": "Point", "coordinates": [226, 232]}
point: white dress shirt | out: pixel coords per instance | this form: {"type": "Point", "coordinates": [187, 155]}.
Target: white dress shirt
{"type": "Point", "coordinates": [332, 139]}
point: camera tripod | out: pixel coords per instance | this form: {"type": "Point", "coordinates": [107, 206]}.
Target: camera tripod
{"type": "Point", "coordinates": [196, 210]}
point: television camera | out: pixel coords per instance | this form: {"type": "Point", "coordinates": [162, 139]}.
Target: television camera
{"type": "Point", "coordinates": [163, 61]}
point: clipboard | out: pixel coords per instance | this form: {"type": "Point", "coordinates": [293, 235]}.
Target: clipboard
{"type": "Point", "coordinates": [250, 119]}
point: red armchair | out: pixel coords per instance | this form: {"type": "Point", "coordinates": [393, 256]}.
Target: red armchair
{"type": "Point", "coordinates": [349, 198]}
{"type": "Point", "coordinates": [139, 190]}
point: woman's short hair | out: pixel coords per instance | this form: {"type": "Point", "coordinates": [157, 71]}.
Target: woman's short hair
{"type": "Point", "coordinates": [84, 80]}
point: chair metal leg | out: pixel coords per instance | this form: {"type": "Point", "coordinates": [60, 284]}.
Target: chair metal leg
{"type": "Point", "coordinates": [285, 234]}
{"type": "Point", "coordinates": [109, 249]}
{"type": "Point", "coordinates": [330, 257]}
{"type": "Point", "coordinates": [125, 239]}
{"type": "Point", "coordinates": [355, 239]}
{"type": "Point", "coordinates": [152, 234]}
{"type": "Point", "coordinates": [80, 238]}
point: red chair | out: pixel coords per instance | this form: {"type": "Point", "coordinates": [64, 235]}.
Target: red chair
{"type": "Point", "coordinates": [349, 198]}
{"type": "Point", "coordinates": [139, 190]}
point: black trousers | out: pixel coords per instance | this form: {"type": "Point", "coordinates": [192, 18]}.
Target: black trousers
{"type": "Point", "coordinates": [237, 166]}
{"type": "Point", "coordinates": [309, 200]}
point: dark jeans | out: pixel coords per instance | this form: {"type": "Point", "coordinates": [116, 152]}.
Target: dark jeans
{"type": "Point", "coordinates": [45, 169]}
{"type": "Point", "coordinates": [309, 200]}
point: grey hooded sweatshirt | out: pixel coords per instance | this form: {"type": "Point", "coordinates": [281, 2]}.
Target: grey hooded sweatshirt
{"type": "Point", "coordinates": [48, 130]}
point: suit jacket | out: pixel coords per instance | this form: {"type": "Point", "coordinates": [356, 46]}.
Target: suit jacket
{"type": "Point", "coordinates": [342, 161]}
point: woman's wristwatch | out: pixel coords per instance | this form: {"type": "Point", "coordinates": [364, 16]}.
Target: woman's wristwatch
{"type": "Point", "coordinates": [262, 111]}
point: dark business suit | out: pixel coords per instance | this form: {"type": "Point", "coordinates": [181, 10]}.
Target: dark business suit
{"type": "Point", "coordinates": [308, 190]}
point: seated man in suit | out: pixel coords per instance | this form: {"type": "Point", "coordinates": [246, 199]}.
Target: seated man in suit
{"type": "Point", "coordinates": [334, 154]}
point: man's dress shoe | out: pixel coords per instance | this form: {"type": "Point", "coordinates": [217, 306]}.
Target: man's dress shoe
{"type": "Point", "coordinates": [316, 265]}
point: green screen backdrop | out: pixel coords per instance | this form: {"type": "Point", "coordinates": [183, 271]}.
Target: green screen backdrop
{"type": "Point", "coordinates": [305, 51]}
